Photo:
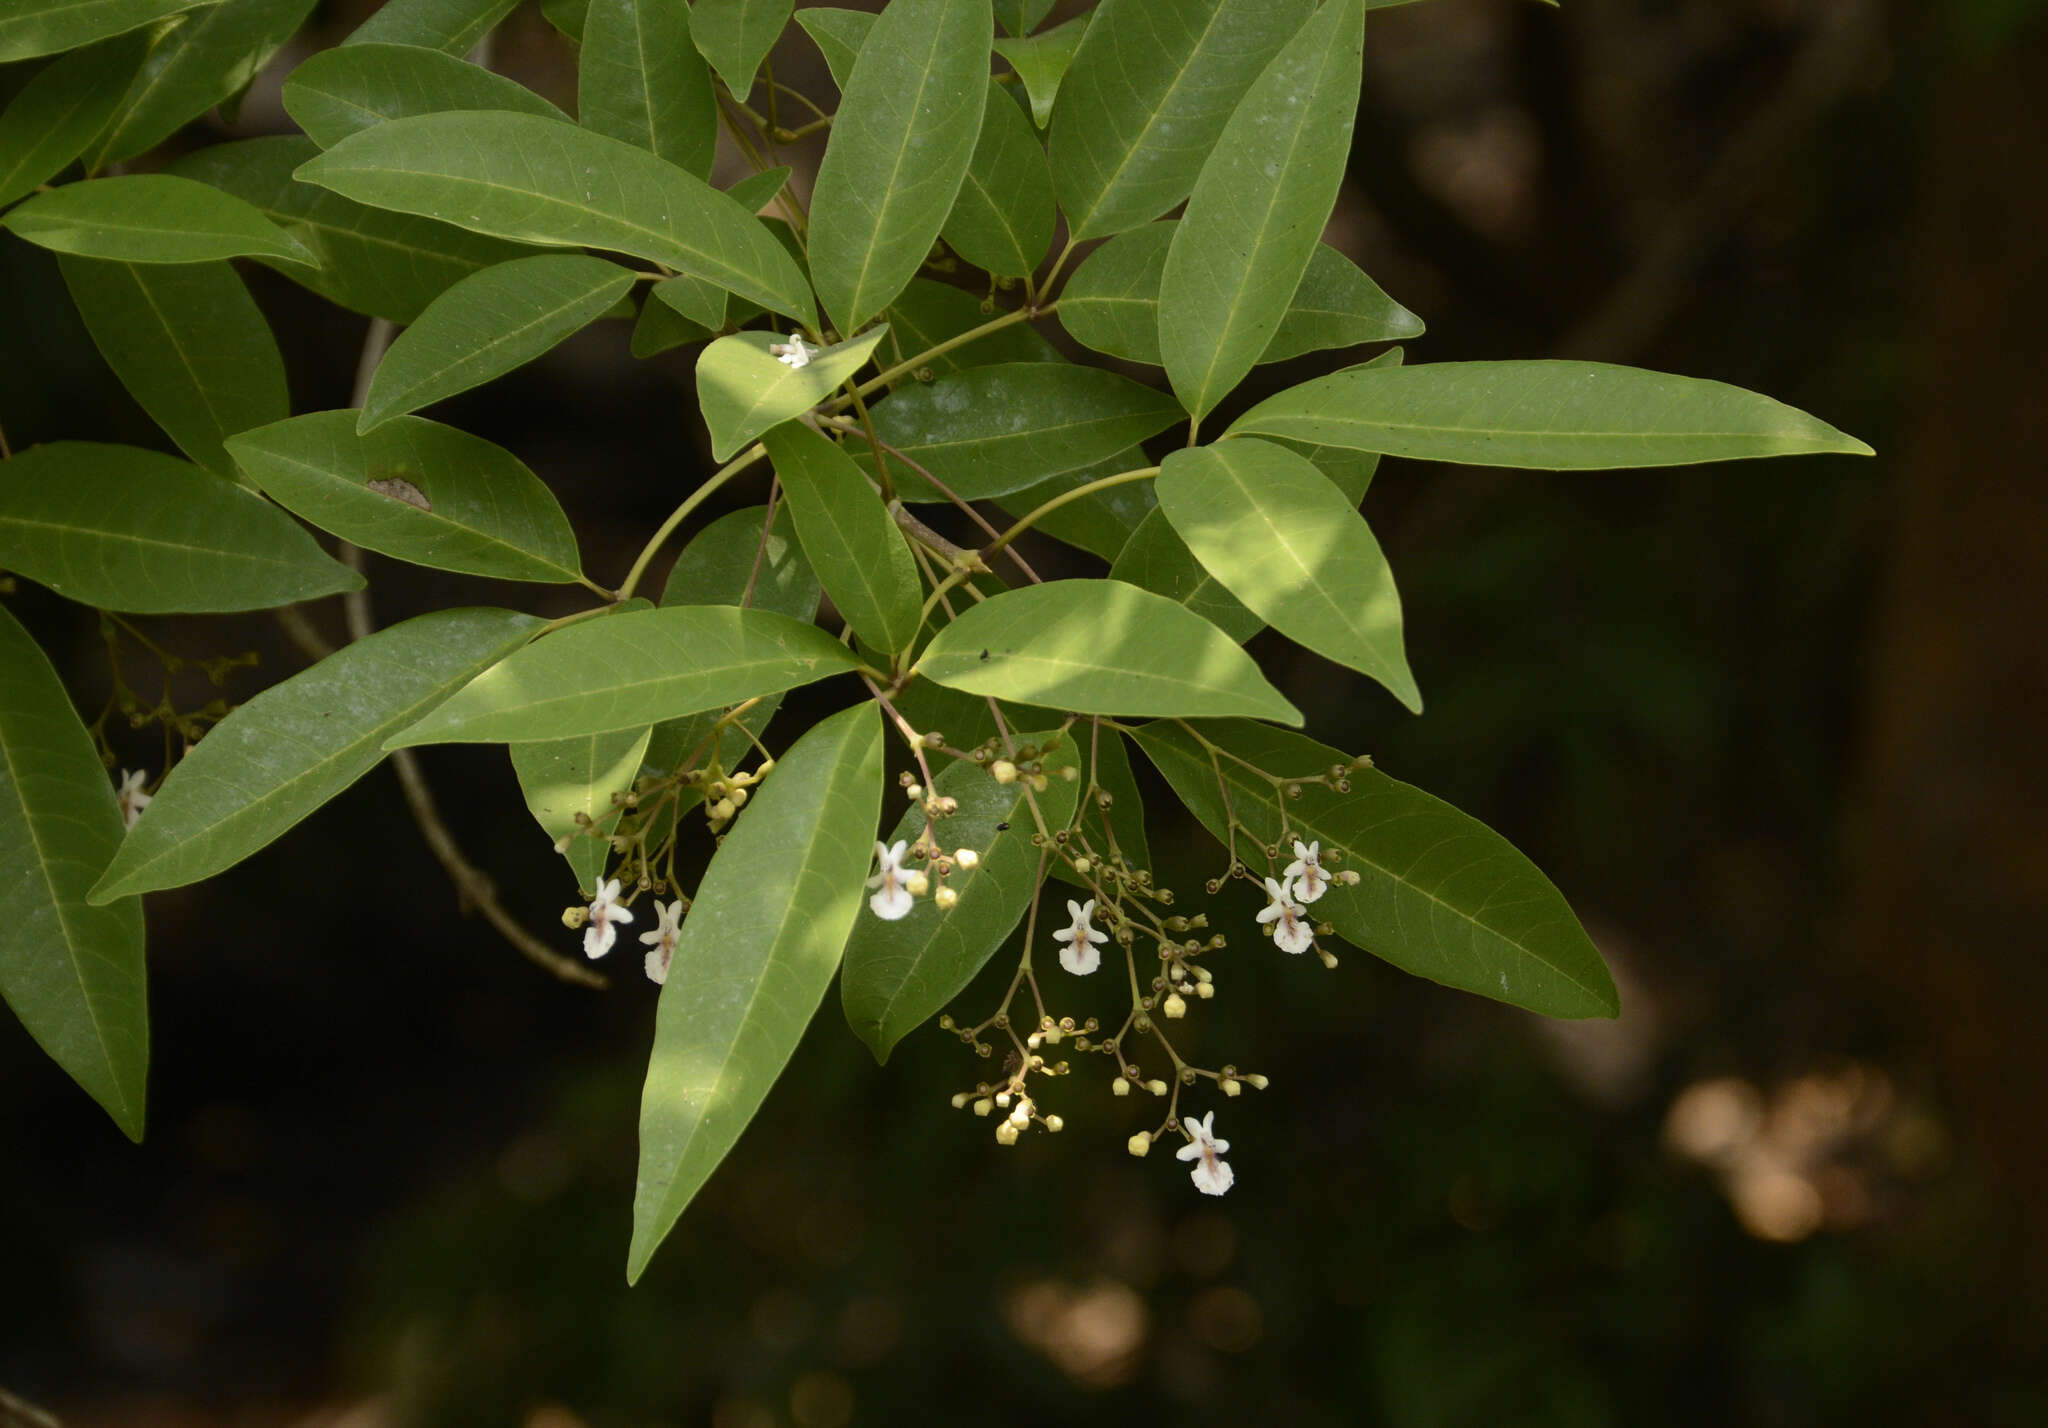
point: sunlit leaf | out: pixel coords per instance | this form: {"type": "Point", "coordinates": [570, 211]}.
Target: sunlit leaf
{"type": "Point", "coordinates": [839, 34]}
{"type": "Point", "coordinates": [568, 777]}
{"type": "Point", "coordinates": [73, 973]}
{"type": "Point", "coordinates": [927, 313]}
{"type": "Point", "coordinates": [354, 87]}
{"type": "Point", "coordinates": [452, 26]}
{"type": "Point", "coordinates": [138, 531]}
{"type": "Point", "coordinates": [852, 543]}
{"type": "Point", "coordinates": [759, 947]}
{"type": "Point", "coordinates": [1100, 647]}
{"type": "Point", "coordinates": [149, 218]}
{"type": "Point", "coordinates": [285, 752]}
{"type": "Point", "coordinates": [1155, 558]}
{"type": "Point", "coordinates": [743, 388]}
{"type": "Point", "coordinates": [416, 490]}
{"type": "Point", "coordinates": [1439, 894]}
{"type": "Point", "coordinates": [1002, 221]}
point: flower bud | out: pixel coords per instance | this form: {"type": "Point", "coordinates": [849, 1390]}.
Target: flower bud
{"type": "Point", "coordinates": [967, 858]}
{"type": "Point", "coordinates": [918, 883]}
{"type": "Point", "coordinates": [983, 1106]}
{"type": "Point", "coordinates": [1055, 1124]}
{"type": "Point", "coordinates": [1174, 1007]}
{"type": "Point", "coordinates": [1156, 1087]}
{"type": "Point", "coordinates": [913, 791]}
{"type": "Point", "coordinates": [1039, 783]}
{"type": "Point", "coordinates": [960, 1101]}
{"type": "Point", "coordinates": [1021, 1117]}
{"type": "Point", "coordinates": [1230, 1086]}
{"type": "Point", "coordinates": [737, 798]}
{"type": "Point", "coordinates": [945, 898]}
{"type": "Point", "coordinates": [1082, 865]}
{"type": "Point", "coordinates": [1139, 1144]}
{"type": "Point", "coordinates": [575, 917]}
{"type": "Point", "coordinates": [1070, 774]}
{"type": "Point", "coordinates": [1205, 990]}
{"type": "Point", "coordinates": [1349, 877]}
{"type": "Point", "coordinates": [1257, 1082]}
{"type": "Point", "coordinates": [724, 809]}
{"type": "Point", "coordinates": [1006, 1133]}
{"type": "Point", "coordinates": [562, 844]}
{"type": "Point", "coordinates": [1004, 771]}
{"type": "Point", "coordinates": [1120, 1087]}
{"type": "Point", "coordinates": [1003, 1098]}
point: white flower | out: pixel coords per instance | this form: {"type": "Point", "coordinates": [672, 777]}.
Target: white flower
{"type": "Point", "coordinates": [893, 900]}
{"type": "Point", "coordinates": [130, 798]}
{"type": "Point", "coordinates": [1079, 955]}
{"type": "Point", "coordinates": [605, 916]}
{"type": "Point", "coordinates": [794, 353]}
{"type": "Point", "coordinates": [662, 940]}
{"type": "Point", "coordinates": [1211, 1175]}
{"type": "Point", "coordinates": [1289, 931]}
{"type": "Point", "coordinates": [1306, 873]}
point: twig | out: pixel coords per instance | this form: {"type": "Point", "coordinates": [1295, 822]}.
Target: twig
{"type": "Point", "coordinates": [17, 1411]}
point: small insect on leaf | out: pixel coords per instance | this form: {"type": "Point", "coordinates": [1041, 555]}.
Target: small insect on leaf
{"type": "Point", "coordinates": [984, 654]}
{"type": "Point", "coordinates": [400, 489]}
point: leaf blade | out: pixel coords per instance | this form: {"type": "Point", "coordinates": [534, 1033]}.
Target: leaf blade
{"type": "Point", "coordinates": [736, 35]}
{"type": "Point", "coordinates": [149, 218]}
{"type": "Point", "coordinates": [46, 27]}
{"type": "Point", "coordinates": [743, 389]}
{"type": "Point", "coordinates": [56, 114]}
{"type": "Point", "coordinates": [1002, 220]}
{"type": "Point", "coordinates": [567, 777]}
{"type": "Point", "coordinates": [641, 80]}
{"type": "Point", "coordinates": [856, 549]}
{"type": "Point", "coordinates": [354, 87]}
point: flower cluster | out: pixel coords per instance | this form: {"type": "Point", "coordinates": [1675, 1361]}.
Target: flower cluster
{"type": "Point", "coordinates": [895, 887]}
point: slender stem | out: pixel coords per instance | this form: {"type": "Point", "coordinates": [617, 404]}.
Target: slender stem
{"type": "Point", "coordinates": [1089, 488]}
{"type": "Point", "coordinates": [1054, 271]}
{"type": "Point", "coordinates": [682, 513]}
{"type": "Point", "coordinates": [881, 461]}
{"type": "Point", "coordinates": [6, 451]}
{"type": "Point", "coordinates": [944, 490]}
{"type": "Point", "coordinates": [940, 349]}
{"type": "Point", "coordinates": [761, 550]}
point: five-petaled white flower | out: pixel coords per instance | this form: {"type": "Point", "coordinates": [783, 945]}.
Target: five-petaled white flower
{"type": "Point", "coordinates": [1306, 873]}
{"type": "Point", "coordinates": [1078, 955]}
{"type": "Point", "coordinates": [605, 916]}
{"type": "Point", "coordinates": [794, 353]}
{"type": "Point", "coordinates": [1211, 1175]}
{"type": "Point", "coordinates": [130, 798]}
{"type": "Point", "coordinates": [893, 900]}
{"type": "Point", "coordinates": [1289, 930]}
{"type": "Point", "coordinates": [661, 942]}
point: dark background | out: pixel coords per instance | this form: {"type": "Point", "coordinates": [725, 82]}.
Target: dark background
{"type": "Point", "coordinates": [1775, 729]}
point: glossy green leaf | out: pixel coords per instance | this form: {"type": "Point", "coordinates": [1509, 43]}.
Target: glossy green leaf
{"type": "Point", "coordinates": [1558, 416]}
{"type": "Point", "coordinates": [631, 670]}
{"type": "Point", "coordinates": [1101, 522]}
{"type": "Point", "coordinates": [1155, 558]}
{"type": "Point", "coordinates": [736, 35]}
{"type": "Point", "coordinates": [144, 533]}
{"type": "Point", "coordinates": [641, 80]}
{"type": "Point", "coordinates": [927, 313]}
{"type": "Point", "coordinates": [150, 218]}
{"type": "Point", "coordinates": [1111, 303]}
{"type": "Point", "coordinates": [45, 27]}
{"type": "Point", "coordinates": [1287, 543]}
{"type": "Point", "coordinates": [452, 26]}
{"type": "Point", "coordinates": [210, 56]}
{"type": "Point", "coordinates": [1148, 92]}
{"type": "Point", "coordinates": [57, 113]}
{"type": "Point", "coordinates": [990, 431]}
{"type": "Point", "coordinates": [1258, 209]}
{"type": "Point", "coordinates": [279, 757]}
{"type": "Point", "coordinates": [1041, 62]}
{"type": "Point", "coordinates": [1100, 647]}
{"type": "Point", "coordinates": [758, 949]}
{"type": "Point", "coordinates": [839, 34]}
{"type": "Point", "coordinates": [1440, 895]}
{"type": "Point", "coordinates": [382, 264]}
{"type": "Point", "coordinates": [1002, 220]}
{"type": "Point", "coordinates": [73, 973]}
{"type": "Point", "coordinates": [1349, 470]}
{"type": "Point", "coordinates": [533, 180]}
{"type": "Point", "coordinates": [852, 543]}
{"type": "Point", "coordinates": [415, 490]}
{"type": "Point", "coordinates": [189, 343]}
{"type": "Point", "coordinates": [354, 87]}
{"type": "Point", "coordinates": [744, 388]}
{"type": "Point", "coordinates": [899, 150]}
{"type": "Point", "coordinates": [567, 777]}
{"type": "Point", "coordinates": [488, 324]}
{"type": "Point", "coordinates": [900, 974]}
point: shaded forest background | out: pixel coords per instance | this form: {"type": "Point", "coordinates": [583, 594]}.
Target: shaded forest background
{"type": "Point", "coordinates": [1774, 728]}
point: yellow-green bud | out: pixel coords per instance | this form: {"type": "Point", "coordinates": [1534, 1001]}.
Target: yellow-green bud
{"type": "Point", "coordinates": [983, 1106]}
{"type": "Point", "coordinates": [967, 858]}
{"type": "Point", "coordinates": [945, 898]}
{"type": "Point", "coordinates": [1120, 1087]}
{"type": "Point", "coordinates": [1205, 990]}
{"type": "Point", "coordinates": [1230, 1086]}
{"type": "Point", "coordinates": [1054, 1124]}
{"type": "Point", "coordinates": [918, 883]}
{"type": "Point", "coordinates": [1256, 1081]}
{"type": "Point", "coordinates": [1174, 1007]}
{"type": "Point", "coordinates": [1006, 1133]}
{"type": "Point", "coordinates": [960, 1101]}
{"type": "Point", "coordinates": [1139, 1144]}
{"type": "Point", "coordinates": [1156, 1087]}
{"type": "Point", "coordinates": [1004, 771]}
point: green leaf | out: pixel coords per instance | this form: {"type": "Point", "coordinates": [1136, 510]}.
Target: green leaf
{"type": "Point", "coordinates": [144, 533]}
{"type": "Point", "coordinates": [1021, 17]}
{"type": "Point", "coordinates": [149, 218]}
{"type": "Point", "coordinates": [1100, 647]}
{"type": "Point", "coordinates": [990, 431]}
{"type": "Point", "coordinates": [56, 114]}
{"type": "Point", "coordinates": [927, 313]}
{"type": "Point", "coordinates": [1258, 209]}
{"type": "Point", "coordinates": [282, 755]}
{"type": "Point", "coordinates": [631, 670]}
{"type": "Point", "coordinates": [853, 545]}
{"type": "Point", "coordinates": [900, 974]}
{"type": "Point", "coordinates": [452, 26]}
{"type": "Point", "coordinates": [73, 973]}
{"type": "Point", "coordinates": [488, 324]}
{"type": "Point", "coordinates": [206, 59]}
{"type": "Point", "coordinates": [568, 16]}
{"type": "Point", "coordinates": [189, 343]}
{"type": "Point", "coordinates": [1003, 219]}
{"type": "Point", "coordinates": [45, 27]}
{"type": "Point", "coordinates": [839, 34]}
{"type": "Point", "coordinates": [1350, 471]}
{"type": "Point", "coordinates": [736, 35]}
{"type": "Point", "coordinates": [1041, 62]}
{"type": "Point", "coordinates": [899, 150]}
{"type": "Point", "coordinates": [758, 949]}
{"type": "Point", "coordinates": [1440, 894]}
{"type": "Point", "coordinates": [354, 87]}
{"type": "Point", "coordinates": [641, 80]}
{"type": "Point", "coordinates": [1558, 416]}
{"type": "Point", "coordinates": [744, 389]}
{"type": "Point", "coordinates": [661, 327]}
{"type": "Point", "coordinates": [565, 777]}
{"type": "Point", "coordinates": [1287, 543]}
{"type": "Point", "coordinates": [1111, 303]}
{"type": "Point", "coordinates": [1101, 522]}
{"type": "Point", "coordinates": [388, 265]}
{"type": "Point", "coordinates": [1155, 558]}
{"type": "Point", "coordinates": [534, 180]}
{"type": "Point", "coordinates": [416, 490]}
{"type": "Point", "coordinates": [1147, 94]}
